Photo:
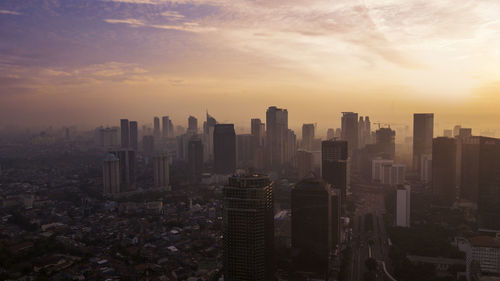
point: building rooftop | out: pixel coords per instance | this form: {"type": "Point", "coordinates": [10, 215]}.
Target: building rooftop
{"type": "Point", "coordinates": [485, 241]}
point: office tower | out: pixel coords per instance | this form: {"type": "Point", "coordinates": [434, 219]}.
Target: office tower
{"type": "Point", "coordinates": [456, 130]}
{"type": "Point", "coordinates": [378, 168]}
{"type": "Point", "coordinates": [258, 130]}
{"type": "Point", "coordinates": [403, 200]}
{"type": "Point", "coordinates": [224, 149]}
{"type": "Point", "coordinates": [248, 228]}
{"type": "Point", "coordinates": [423, 131]}
{"type": "Point", "coordinates": [195, 159]}
{"type": "Point", "coordinates": [290, 147]}
{"type": "Point", "coordinates": [304, 164]}
{"type": "Point", "coordinates": [307, 136]}
{"type": "Point", "coordinates": [165, 127]}
{"type": "Point", "coordinates": [111, 174]}
{"type": "Point", "coordinates": [128, 165]}
{"type": "Point", "coordinates": [108, 137]}
{"type": "Point", "coordinates": [276, 136]}
{"type": "Point", "coordinates": [156, 125]}
{"type": "Point", "coordinates": [182, 146]}
{"type": "Point", "coordinates": [208, 138]}
{"type": "Point", "coordinates": [444, 182]}
{"type": "Point", "coordinates": [192, 125]}
{"type": "Point", "coordinates": [488, 201]}
{"type": "Point", "coordinates": [426, 168]}
{"type": "Point", "coordinates": [448, 133]}
{"type": "Point", "coordinates": [469, 170]}
{"type": "Point", "coordinates": [148, 145]}
{"type": "Point", "coordinates": [311, 225]}
{"type": "Point", "coordinates": [385, 141]}
{"type": "Point", "coordinates": [350, 130]}
{"type": "Point", "coordinates": [367, 131]}
{"type": "Point", "coordinates": [330, 134]}
{"type": "Point", "coordinates": [125, 133]}
{"type": "Point", "coordinates": [161, 171]}
{"type": "Point", "coordinates": [244, 151]}
{"type": "Point", "coordinates": [335, 165]}
{"type": "Point", "coordinates": [133, 135]}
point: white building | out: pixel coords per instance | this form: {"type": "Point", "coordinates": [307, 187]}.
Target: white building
{"type": "Point", "coordinates": [403, 196]}
{"type": "Point", "coordinates": [484, 250]}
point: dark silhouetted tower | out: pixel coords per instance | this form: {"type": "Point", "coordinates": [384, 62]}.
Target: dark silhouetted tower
{"type": "Point", "coordinates": [224, 149]}
{"type": "Point", "coordinates": [161, 168]}
{"type": "Point", "coordinates": [148, 145]}
{"type": "Point", "coordinates": [385, 141]}
{"type": "Point", "coordinates": [195, 158]}
{"type": "Point", "coordinates": [111, 174]}
{"type": "Point", "coordinates": [248, 228]}
{"type": "Point", "coordinates": [307, 136]}
{"type": "Point", "coordinates": [350, 130]}
{"type": "Point", "coordinates": [166, 127]}
{"type": "Point", "coordinates": [423, 132]}
{"type": "Point", "coordinates": [444, 184]}
{"type": "Point", "coordinates": [133, 135]}
{"type": "Point", "coordinates": [156, 127]}
{"type": "Point", "coordinates": [125, 133]}
{"type": "Point", "coordinates": [192, 125]}
{"type": "Point", "coordinates": [276, 136]}
{"type": "Point", "coordinates": [335, 164]}
{"type": "Point", "coordinates": [128, 165]}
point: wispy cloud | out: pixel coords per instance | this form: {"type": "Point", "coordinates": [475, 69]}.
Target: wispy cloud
{"type": "Point", "coordinates": [184, 26]}
{"type": "Point", "coordinates": [7, 12]}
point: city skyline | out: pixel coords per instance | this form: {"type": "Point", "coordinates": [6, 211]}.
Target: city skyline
{"type": "Point", "coordinates": [103, 60]}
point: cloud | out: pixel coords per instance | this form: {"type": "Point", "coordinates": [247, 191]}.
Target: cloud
{"type": "Point", "coordinates": [7, 12]}
{"type": "Point", "coordinates": [184, 26]}
{"type": "Point", "coordinates": [172, 15]}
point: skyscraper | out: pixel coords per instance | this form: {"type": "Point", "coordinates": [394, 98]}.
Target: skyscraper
{"type": "Point", "coordinates": [403, 196]}
{"type": "Point", "coordinates": [125, 133]}
{"type": "Point", "coordinates": [111, 174]}
{"type": "Point", "coordinates": [385, 141]}
{"type": "Point", "coordinates": [156, 125]}
{"type": "Point", "coordinates": [304, 164]}
{"type": "Point", "coordinates": [258, 131]}
{"type": "Point", "coordinates": [311, 225]}
{"type": "Point", "coordinates": [248, 228]}
{"type": "Point", "coordinates": [330, 134]}
{"type": "Point", "coordinates": [133, 135]}
{"type": "Point", "coordinates": [444, 184]}
{"type": "Point", "coordinates": [166, 127]}
{"type": "Point", "coordinates": [244, 151]}
{"type": "Point", "coordinates": [423, 132]}
{"type": "Point", "coordinates": [128, 165]}
{"type": "Point", "coordinates": [224, 149]}
{"type": "Point", "coordinates": [307, 136]}
{"type": "Point", "coordinates": [489, 184]}
{"type": "Point", "coordinates": [208, 138]}
{"type": "Point", "coordinates": [350, 130]}
{"type": "Point", "coordinates": [335, 164]}
{"type": "Point", "coordinates": [161, 171]}
{"type": "Point", "coordinates": [195, 158]}
{"type": "Point", "coordinates": [276, 136]}
{"type": "Point", "coordinates": [192, 125]}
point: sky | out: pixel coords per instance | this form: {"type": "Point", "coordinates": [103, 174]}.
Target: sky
{"type": "Point", "coordinates": [92, 62]}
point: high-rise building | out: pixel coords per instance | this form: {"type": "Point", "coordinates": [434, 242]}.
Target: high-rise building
{"type": "Point", "coordinates": [224, 149]}
{"type": "Point", "coordinates": [456, 130]}
{"type": "Point", "coordinates": [444, 184]}
{"type": "Point", "coordinates": [258, 131]}
{"type": "Point", "coordinates": [192, 125]}
{"type": "Point", "coordinates": [244, 151]}
{"type": "Point", "coordinates": [489, 184]}
{"type": "Point", "coordinates": [128, 168]}
{"type": "Point", "coordinates": [125, 133]}
{"type": "Point", "coordinates": [134, 135]}
{"type": "Point", "coordinates": [336, 212]}
{"type": "Point", "coordinates": [290, 147]}
{"type": "Point", "coordinates": [448, 133]}
{"type": "Point", "coordinates": [307, 136]}
{"type": "Point", "coordinates": [385, 141]}
{"type": "Point", "coordinates": [195, 158]}
{"type": "Point", "coordinates": [156, 127]}
{"type": "Point", "coordinates": [403, 200]}
{"type": "Point", "coordinates": [166, 127]}
{"type": "Point", "coordinates": [248, 228]}
{"type": "Point", "coordinates": [276, 136]}
{"type": "Point", "coordinates": [108, 137]}
{"type": "Point", "coordinates": [148, 145]}
{"type": "Point", "coordinates": [330, 134]}
{"type": "Point", "coordinates": [304, 164]}
{"type": "Point", "coordinates": [161, 171]}
{"type": "Point", "coordinates": [335, 164]}
{"type": "Point", "coordinates": [311, 225]}
{"type": "Point", "coordinates": [208, 139]}
{"type": "Point", "coordinates": [350, 130]}
{"type": "Point", "coordinates": [111, 174]}
{"type": "Point", "coordinates": [423, 132]}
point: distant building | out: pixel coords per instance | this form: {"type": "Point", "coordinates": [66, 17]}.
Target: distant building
{"type": "Point", "coordinates": [161, 168]}
{"type": "Point", "coordinates": [444, 184]}
{"type": "Point", "coordinates": [195, 159]}
{"type": "Point", "coordinates": [248, 228]}
{"type": "Point", "coordinates": [192, 125]}
{"type": "Point", "coordinates": [426, 168]}
{"type": "Point", "coordinates": [167, 127]}
{"type": "Point", "coordinates": [448, 133]}
{"type": "Point", "coordinates": [224, 149]}
{"type": "Point", "coordinates": [245, 151]}
{"type": "Point", "coordinates": [378, 168]}
{"type": "Point", "coordinates": [307, 136]}
{"type": "Point", "coordinates": [111, 174]}
{"type": "Point", "coordinates": [403, 200]}
{"type": "Point", "coordinates": [156, 127]}
{"type": "Point", "coordinates": [208, 139]}
{"type": "Point", "coordinates": [134, 135]}
{"type": "Point", "coordinates": [108, 137]}
{"type": "Point", "coordinates": [125, 133]}
{"type": "Point", "coordinates": [128, 168]}
{"type": "Point", "coordinates": [335, 168]}
{"type": "Point", "coordinates": [311, 225]}
{"type": "Point", "coordinates": [276, 137]}
{"type": "Point", "coordinates": [148, 145]}
{"type": "Point", "coordinates": [304, 164]}
{"type": "Point", "coordinates": [350, 130]}
{"type": "Point", "coordinates": [330, 134]}
{"type": "Point", "coordinates": [258, 131]}
{"type": "Point", "coordinates": [385, 141]}
{"type": "Point", "coordinates": [423, 132]}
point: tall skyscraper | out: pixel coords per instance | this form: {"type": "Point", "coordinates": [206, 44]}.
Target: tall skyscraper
{"type": "Point", "coordinates": [245, 151]}
{"type": "Point", "coordinates": [111, 174]}
{"type": "Point", "coordinates": [311, 225]}
{"type": "Point", "coordinates": [125, 133]}
{"type": "Point", "coordinates": [161, 171]}
{"type": "Point", "coordinates": [423, 132]}
{"type": "Point", "coordinates": [166, 129]}
{"type": "Point", "coordinates": [208, 138]}
{"type": "Point", "coordinates": [276, 136]}
{"type": "Point", "coordinates": [307, 136]}
{"type": "Point", "coordinates": [335, 164]}
{"type": "Point", "coordinates": [385, 141]}
{"type": "Point", "coordinates": [133, 135]}
{"type": "Point", "coordinates": [195, 158]}
{"type": "Point", "coordinates": [192, 125]}
{"type": "Point", "coordinates": [403, 196]}
{"type": "Point", "coordinates": [156, 129]}
{"type": "Point", "coordinates": [330, 134]}
{"type": "Point", "coordinates": [290, 147]}
{"type": "Point", "coordinates": [248, 228]}
{"type": "Point", "coordinates": [128, 168]}
{"type": "Point", "coordinates": [350, 130]}
{"type": "Point", "coordinates": [224, 149]}
{"type": "Point", "coordinates": [444, 184]}
{"type": "Point", "coordinates": [258, 130]}
{"type": "Point", "coordinates": [469, 170]}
